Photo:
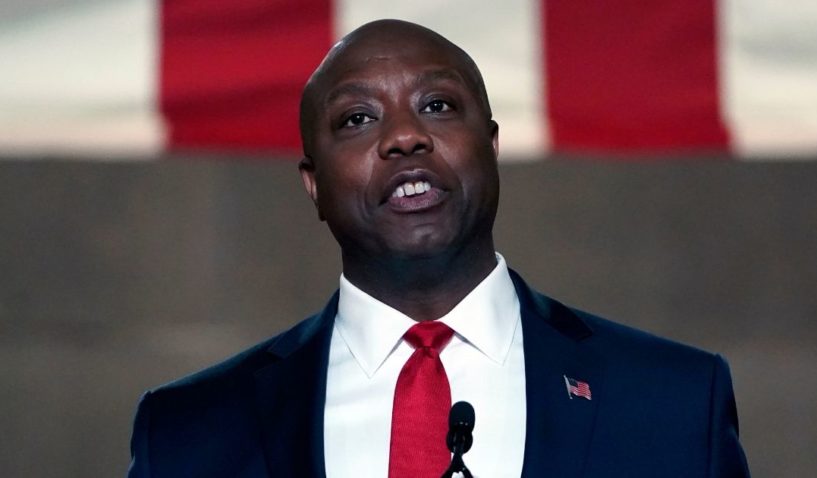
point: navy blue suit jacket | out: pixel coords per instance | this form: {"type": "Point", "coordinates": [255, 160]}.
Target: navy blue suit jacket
{"type": "Point", "coordinates": [658, 408]}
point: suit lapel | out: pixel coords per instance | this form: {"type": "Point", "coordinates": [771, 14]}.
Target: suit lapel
{"type": "Point", "coordinates": [559, 427]}
{"type": "Point", "coordinates": [291, 393]}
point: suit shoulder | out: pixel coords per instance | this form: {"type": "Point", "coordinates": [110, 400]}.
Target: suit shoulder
{"type": "Point", "coordinates": [660, 369]}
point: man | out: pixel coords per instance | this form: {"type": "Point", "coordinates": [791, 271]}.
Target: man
{"type": "Point", "coordinates": [400, 160]}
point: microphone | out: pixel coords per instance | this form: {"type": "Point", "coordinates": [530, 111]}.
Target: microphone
{"type": "Point", "coordinates": [460, 426]}
{"type": "Point", "coordinates": [459, 438]}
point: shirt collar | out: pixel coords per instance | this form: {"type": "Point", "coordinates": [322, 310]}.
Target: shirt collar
{"type": "Point", "coordinates": [486, 318]}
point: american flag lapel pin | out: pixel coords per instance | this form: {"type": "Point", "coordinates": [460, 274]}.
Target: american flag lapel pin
{"type": "Point", "coordinates": [577, 388]}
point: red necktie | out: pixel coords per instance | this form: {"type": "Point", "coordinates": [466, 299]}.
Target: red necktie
{"type": "Point", "coordinates": [422, 400]}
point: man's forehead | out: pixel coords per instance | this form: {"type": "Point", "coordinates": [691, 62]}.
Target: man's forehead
{"type": "Point", "coordinates": [355, 85]}
{"type": "Point", "coordinates": [389, 37]}
{"type": "Point", "coordinates": [417, 53]}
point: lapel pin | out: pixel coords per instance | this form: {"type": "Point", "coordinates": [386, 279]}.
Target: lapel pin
{"type": "Point", "coordinates": [577, 388]}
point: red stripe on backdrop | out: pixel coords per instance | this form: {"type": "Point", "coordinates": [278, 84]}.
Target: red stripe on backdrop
{"type": "Point", "coordinates": [231, 73]}
{"type": "Point", "coordinates": [632, 76]}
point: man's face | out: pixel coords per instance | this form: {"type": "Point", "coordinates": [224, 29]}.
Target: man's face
{"type": "Point", "coordinates": [401, 151]}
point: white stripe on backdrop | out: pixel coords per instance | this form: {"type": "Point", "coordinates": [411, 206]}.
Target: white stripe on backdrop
{"type": "Point", "coordinates": [80, 79]}
{"type": "Point", "coordinates": [768, 61]}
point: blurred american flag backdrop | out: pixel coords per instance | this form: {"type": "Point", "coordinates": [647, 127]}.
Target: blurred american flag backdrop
{"type": "Point", "coordinates": [616, 78]}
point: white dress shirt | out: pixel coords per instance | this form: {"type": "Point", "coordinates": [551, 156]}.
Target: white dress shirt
{"type": "Point", "coordinates": [484, 362]}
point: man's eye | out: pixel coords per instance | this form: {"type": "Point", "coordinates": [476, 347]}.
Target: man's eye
{"type": "Point", "coordinates": [357, 119]}
{"type": "Point", "coordinates": [437, 106]}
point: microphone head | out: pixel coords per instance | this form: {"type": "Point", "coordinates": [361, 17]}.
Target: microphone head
{"type": "Point", "coordinates": [460, 426]}
{"type": "Point", "coordinates": [461, 416]}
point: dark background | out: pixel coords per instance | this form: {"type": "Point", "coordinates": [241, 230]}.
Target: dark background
{"type": "Point", "coordinates": [117, 277]}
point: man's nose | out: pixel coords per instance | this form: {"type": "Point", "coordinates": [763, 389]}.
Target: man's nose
{"type": "Point", "coordinates": [404, 135]}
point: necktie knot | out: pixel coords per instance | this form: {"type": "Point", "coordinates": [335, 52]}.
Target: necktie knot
{"type": "Point", "coordinates": [431, 335]}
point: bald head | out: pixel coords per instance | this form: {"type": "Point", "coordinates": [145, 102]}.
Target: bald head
{"type": "Point", "coordinates": [380, 41]}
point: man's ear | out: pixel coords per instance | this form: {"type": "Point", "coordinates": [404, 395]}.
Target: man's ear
{"type": "Point", "coordinates": [494, 129]}
{"type": "Point", "coordinates": [306, 166]}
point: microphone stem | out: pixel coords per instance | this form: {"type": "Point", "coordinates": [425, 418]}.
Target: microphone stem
{"type": "Point", "coordinates": [457, 465]}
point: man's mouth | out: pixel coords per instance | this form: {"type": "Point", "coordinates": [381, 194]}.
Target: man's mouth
{"type": "Point", "coordinates": [411, 189]}
{"type": "Point", "coordinates": [415, 196]}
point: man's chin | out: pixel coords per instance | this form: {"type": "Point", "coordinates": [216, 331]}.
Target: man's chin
{"type": "Point", "coordinates": [424, 248]}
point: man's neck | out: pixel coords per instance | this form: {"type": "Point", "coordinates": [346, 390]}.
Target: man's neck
{"type": "Point", "coordinates": [422, 288]}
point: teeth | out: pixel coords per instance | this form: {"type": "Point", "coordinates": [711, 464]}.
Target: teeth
{"type": "Point", "coordinates": [411, 189]}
